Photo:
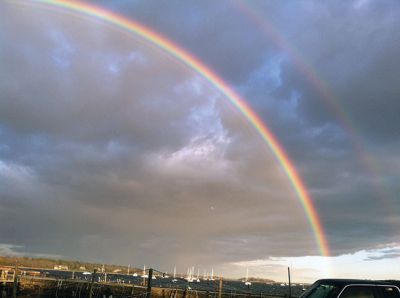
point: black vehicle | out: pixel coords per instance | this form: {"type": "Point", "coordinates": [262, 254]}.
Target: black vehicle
{"type": "Point", "coordinates": [353, 288]}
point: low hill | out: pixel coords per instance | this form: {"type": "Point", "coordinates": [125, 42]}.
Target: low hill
{"type": "Point", "coordinates": [71, 264]}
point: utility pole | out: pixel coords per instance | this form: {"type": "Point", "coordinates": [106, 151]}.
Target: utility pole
{"type": "Point", "coordinates": [290, 286]}
{"type": "Point", "coordinates": [15, 283]}
{"type": "Point", "coordinates": [92, 283]}
{"type": "Point", "coordinates": [185, 292]}
{"type": "Point", "coordinates": [149, 279]}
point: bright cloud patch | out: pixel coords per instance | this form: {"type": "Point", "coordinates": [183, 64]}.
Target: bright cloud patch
{"type": "Point", "coordinates": [11, 250]}
{"type": "Point", "coordinates": [378, 263]}
{"type": "Point", "coordinates": [15, 172]}
{"type": "Point", "coordinates": [202, 157]}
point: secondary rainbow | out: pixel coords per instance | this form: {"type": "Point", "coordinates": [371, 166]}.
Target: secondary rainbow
{"type": "Point", "coordinates": [331, 100]}
{"type": "Point", "coordinates": [194, 63]}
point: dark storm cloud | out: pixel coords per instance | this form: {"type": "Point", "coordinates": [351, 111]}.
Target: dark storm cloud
{"type": "Point", "coordinates": [359, 62]}
{"type": "Point", "coordinates": [106, 144]}
{"type": "Point", "coordinates": [352, 48]}
{"type": "Point", "coordinates": [111, 145]}
{"type": "Point", "coordinates": [233, 51]}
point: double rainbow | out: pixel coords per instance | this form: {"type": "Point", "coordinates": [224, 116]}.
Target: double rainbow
{"type": "Point", "coordinates": [199, 67]}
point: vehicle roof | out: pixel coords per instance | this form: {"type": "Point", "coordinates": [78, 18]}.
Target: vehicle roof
{"type": "Point", "coordinates": [343, 282]}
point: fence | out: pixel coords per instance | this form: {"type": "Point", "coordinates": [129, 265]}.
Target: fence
{"type": "Point", "coordinates": [15, 284]}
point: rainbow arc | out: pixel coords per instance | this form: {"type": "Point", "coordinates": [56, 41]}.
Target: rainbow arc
{"type": "Point", "coordinates": [199, 67]}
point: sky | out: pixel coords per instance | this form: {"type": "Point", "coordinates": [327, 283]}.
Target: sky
{"type": "Point", "coordinates": [114, 151]}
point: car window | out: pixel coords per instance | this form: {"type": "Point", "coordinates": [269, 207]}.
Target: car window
{"type": "Point", "coordinates": [358, 292]}
{"type": "Point", "coordinates": [320, 291]}
{"type": "Point", "coordinates": [389, 292]}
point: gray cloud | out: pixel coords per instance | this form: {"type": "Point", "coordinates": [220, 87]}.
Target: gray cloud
{"type": "Point", "coordinates": [382, 254]}
{"type": "Point", "coordinates": [107, 143]}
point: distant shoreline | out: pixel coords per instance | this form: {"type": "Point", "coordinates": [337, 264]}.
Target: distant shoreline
{"type": "Point", "coordinates": [75, 265]}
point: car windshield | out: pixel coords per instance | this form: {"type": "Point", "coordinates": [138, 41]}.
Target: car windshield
{"type": "Point", "coordinates": [320, 291]}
